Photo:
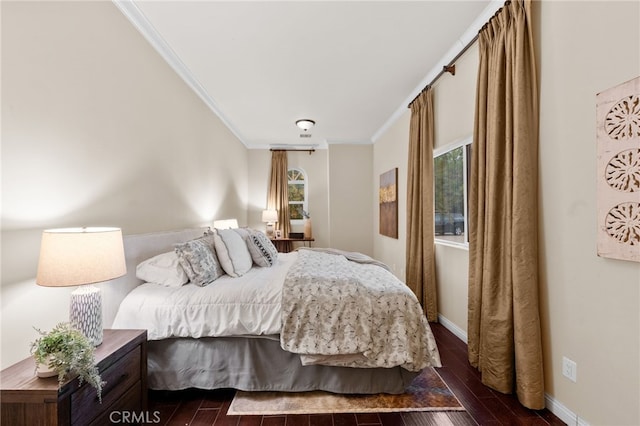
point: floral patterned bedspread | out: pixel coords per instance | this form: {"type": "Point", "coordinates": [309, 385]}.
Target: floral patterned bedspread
{"type": "Point", "coordinates": [353, 314]}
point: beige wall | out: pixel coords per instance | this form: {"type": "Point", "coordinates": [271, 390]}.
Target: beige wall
{"type": "Point", "coordinates": [391, 150]}
{"type": "Point", "coordinates": [350, 216]}
{"type": "Point", "coordinates": [97, 130]}
{"type": "Point", "coordinates": [259, 171]}
{"type": "Point", "coordinates": [590, 306]}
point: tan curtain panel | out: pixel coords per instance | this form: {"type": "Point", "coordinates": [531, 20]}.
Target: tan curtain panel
{"type": "Point", "coordinates": [421, 266]}
{"type": "Point", "coordinates": [504, 321]}
{"type": "Point", "coordinates": [278, 197]}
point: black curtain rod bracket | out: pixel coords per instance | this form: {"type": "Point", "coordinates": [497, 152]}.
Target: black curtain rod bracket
{"type": "Point", "coordinates": [450, 68]}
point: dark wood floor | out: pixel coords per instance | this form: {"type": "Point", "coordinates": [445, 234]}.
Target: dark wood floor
{"type": "Point", "coordinates": [484, 406]}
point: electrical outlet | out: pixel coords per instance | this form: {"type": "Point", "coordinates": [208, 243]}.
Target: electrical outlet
{"type": "Point", "coordinates": [569, 369]}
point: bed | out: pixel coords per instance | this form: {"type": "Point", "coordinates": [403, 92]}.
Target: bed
{"type": "Point", "coordinates": [275, 327]}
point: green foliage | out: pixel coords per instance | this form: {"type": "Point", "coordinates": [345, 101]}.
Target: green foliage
{"type": "Point", "coordinates": [296, 192]}
{"type": "Point", "coordinates": [67, 350]}
{"type": "Point", "coordinates": [295, 211]}
{"type": "Point", "coordinates": [448, 185]}
{"type": "Point", "coordinates": [294, 174]}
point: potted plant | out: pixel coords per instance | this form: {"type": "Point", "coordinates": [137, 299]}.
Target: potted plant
{"type": "Point", "coordinates": [65, 350]}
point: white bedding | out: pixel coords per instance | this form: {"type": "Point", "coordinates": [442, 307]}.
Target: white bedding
{"type": "Point", "coordinates": [247, 305]}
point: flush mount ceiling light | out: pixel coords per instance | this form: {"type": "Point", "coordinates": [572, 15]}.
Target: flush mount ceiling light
{"type": "Point", "coordinates": [305, 124]}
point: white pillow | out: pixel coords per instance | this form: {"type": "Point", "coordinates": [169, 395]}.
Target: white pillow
{"type": "Point", "coordinates": [262, 250]}
{"type": "Point", "coordinates": [232, 252]}
{"type": "Point", "coordinates": [243, 232]}
{"type": "Point", "coordinates": [162, 269]}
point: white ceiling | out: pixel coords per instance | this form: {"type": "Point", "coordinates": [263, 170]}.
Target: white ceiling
{"type": "Point", "coordinates": [352, 66]}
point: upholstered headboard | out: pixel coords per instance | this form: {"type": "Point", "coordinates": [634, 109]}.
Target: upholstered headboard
{"type": "Point", "coordinates": [139, 247]}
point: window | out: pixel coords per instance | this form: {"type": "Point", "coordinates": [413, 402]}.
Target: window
{"type": "Point", "coordinates": [297, 195]}
{"type": "Point", "coordinates": [450, 175]}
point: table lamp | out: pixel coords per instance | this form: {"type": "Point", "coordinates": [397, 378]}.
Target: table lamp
{"type": "Point", "coordinates": [81, 257]}
{"type": "Point", "coordinates": [225, 224]}
{"type": "Point", "coordinates": [270, 217]}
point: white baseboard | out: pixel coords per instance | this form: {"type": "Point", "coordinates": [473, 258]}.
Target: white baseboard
{"type": "Point", "coordinates": [562, 412]}
{"type": "Point", "coordinates": [552, 404]}
{"type": "Point", "coordinates": [459, 333]}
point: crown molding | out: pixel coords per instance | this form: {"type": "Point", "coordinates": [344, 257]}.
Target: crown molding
{"type": "Point", "coordinates": [467, 36]}
{"type": "Point", "coordinates": [142, 24]}
{"type": "Point", "coordinates": [349, 142]}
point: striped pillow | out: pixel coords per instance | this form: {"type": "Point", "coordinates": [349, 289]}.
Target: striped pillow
{"type": "Point", "coordinates": [262, 250]}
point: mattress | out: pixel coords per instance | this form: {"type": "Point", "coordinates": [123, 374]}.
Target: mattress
{"type": "Point", "coordinates": [245, 306]}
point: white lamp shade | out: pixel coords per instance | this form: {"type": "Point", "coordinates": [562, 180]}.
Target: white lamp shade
{"type": "Point", "coordinates": [270, 216]}
{"type": "Point", "coordinates": [77, 256]}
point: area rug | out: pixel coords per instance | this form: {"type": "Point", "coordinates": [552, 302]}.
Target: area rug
{"type": "Point", "coordinates": [427, 392]}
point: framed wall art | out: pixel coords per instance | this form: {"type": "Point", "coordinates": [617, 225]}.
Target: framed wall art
{"type": "Point", "coordinates": [618, 151]}
{"type": "Point", "coordinates": [388, 198]}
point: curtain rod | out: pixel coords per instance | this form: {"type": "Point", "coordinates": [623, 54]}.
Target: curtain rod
{"type": "Point", "coordinates": [309, 150]}
{"type": "Point", "coordinates": [450, 68]}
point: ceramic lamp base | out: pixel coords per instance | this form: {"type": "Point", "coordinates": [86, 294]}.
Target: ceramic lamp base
{"type": "Point", "coordinates": [270, 232]}
{"type": "Point", "coordinates": [86, 312]}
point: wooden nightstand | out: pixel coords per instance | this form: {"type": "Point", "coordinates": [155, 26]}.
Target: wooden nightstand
{"type": "Point", "coordinates": [122, 362]}
{"type": "Point", "coordinates": [280, 246]}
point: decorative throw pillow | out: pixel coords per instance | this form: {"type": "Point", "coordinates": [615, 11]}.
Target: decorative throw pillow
{"type": "Point", "coordinates": [163, 269]}
{"type": "Point", "coordinates": [233, 252]}
{"type": "Point", "coordinates": [199, 260]}
{"type": "Point", "coordinates": [262, 250]}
